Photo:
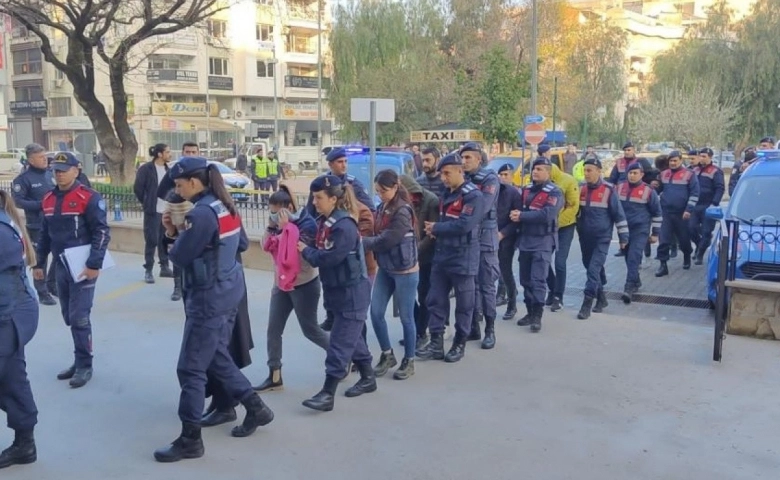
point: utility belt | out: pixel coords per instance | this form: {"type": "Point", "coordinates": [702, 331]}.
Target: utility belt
{"type": "Point", "coordinates": [456, 242]}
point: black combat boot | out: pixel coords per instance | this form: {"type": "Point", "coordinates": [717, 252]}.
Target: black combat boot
{"type": "Point", "coordinates": [601, 302]}
{"type": "Point", "coordinates": [663, 270]}
{"type": "Point", "coordinates": [148, 276]}
{"type": "Point", "coordinates": [386, 362]}
{"type": "Point", "coordinates": [628, 294]}
{"type": "Point", "coordinates": [273, 382]}
{"type": "Point", "coordinates": [673, 251]}
{"type": "Point", "coordinates": [257, 415]}
{"type": "Point", "coordinates": [21, 452]}
{"type": "Point", "coordinates": [422, 341]}
{"type": "Point", "coordinates": [686, 261]}
{"type": "Point", "coordinates": [620, 253]}
{"type": "Point", "coordinates": [456, 352]}
{"type": "Point", "coordinates": [188, 445]}
{"type": "Point", "coordinates": [176, 295]}
{"type": "Point", "coordinates": [435, 348]}
{"type": "Point", "coordinates": [323, 401]}
{"type": "Point", "coordinates": [366, 384]}
{"type": "Point", "coordinates": [490, 334]}
{"type": "Point", "coordinates": [406, 369]}
{"type": "Point", "coordinates": [511, 309]}
{"type": "Point", "coordinates": [501, 297]}
{"type": "Point", "coordinates": [45, 298]}
{"type": "Point", "coordinates": [526, 319]}
{"type": "Point", "coordinates": [587, 304]}
{"type": "Point", "coordinates": [81, 377]}
{"type": "Point", "coordinates": [698, 259]}
{"type": "Point", "coordinates": [549, 300]}
{"type": "Point", "coordinates": [557, 304]}
{"type": "Point", "coordinates": [215, 416]}
{"type": "Point", "coordinates": [475, 333]}
{"type": "Point", "coordinates": [67, 374]}
{"type": "Point", "coordinates": [536, 321]}
{"type": "Point", "coordinates": [165, 271]}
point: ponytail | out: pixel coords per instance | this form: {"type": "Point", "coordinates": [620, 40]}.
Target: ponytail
{"type": "Point", "coordinates": [157, 150]}
{"type": "Point", "coordinates": [7, 204]}
{"type": "Point", "coordinates": [217, 185]}
{"type": "Point", "coordinates": [348, 201]}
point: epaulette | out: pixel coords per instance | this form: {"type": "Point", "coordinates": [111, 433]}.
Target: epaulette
{"type": "Point", "coordinates": [468, 188]}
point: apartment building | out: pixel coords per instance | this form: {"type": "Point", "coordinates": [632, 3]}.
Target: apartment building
{"type": "Point", "coordinates": [249, 72]}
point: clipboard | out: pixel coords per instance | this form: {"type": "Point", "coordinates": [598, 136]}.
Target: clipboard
{"type": "Point", "coordinates": [75, 258]}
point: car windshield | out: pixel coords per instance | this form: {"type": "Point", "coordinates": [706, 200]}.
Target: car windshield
{"type": "Point", "coordinates": [756, 198]}
{"type": "Point", "coordinates": [223, 169]}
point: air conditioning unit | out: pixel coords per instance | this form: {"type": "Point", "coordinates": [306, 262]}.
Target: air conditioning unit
{"type": "Point", "coordinates": [238, 114]}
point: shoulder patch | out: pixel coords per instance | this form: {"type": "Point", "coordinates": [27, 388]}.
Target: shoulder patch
{"type": "Point", "coordinates": [468, 188]}
{"type": "Point", "coordinates": [17, 187]}
{"type": "Point", "coordinates": [549, 187]}
{"type": "Point", "coordinates": [349, 178]}
{"type": "Point", "coordinates": [102, 204]}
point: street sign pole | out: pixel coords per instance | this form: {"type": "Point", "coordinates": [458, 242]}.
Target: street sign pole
{"type": "Point", "coordinates": [372, 144]}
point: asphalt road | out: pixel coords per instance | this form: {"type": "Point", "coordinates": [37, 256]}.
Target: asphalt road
{"type": "Point", "coordinates": [624, 395]}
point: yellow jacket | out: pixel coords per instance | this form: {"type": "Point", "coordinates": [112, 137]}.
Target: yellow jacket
{"type": "Point", "coordinates": [578, 172]}
{"type": "Point", "coordinates": [571, 194]}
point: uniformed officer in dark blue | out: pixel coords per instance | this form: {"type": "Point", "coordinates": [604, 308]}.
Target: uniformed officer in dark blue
{"type": "Point", "coordinates": [537, 237]}
{"type": "Point", "coordinates": [712, 186]}
{"type": "Point", "coordinates": [18, 323]}
{"type": "Point", "coordinates": [600, 209]}
{"type": "Point", "coordinates": [74, 215]}
{"type": "Point", "coordinates": [486, 180]}
{"type": "Point", "coordinates": [509, 198]}
{"type": "Point", "coordinates": [337, 162]}
{"type": "Point", "coordinates": [29, 189]}
{"type": "Point", "coordinates": [679, 195]}
{"type": "Point", "coordinates": [643, 215]}
{"type": "Point", "coordinates": [430, 179]}
{"type": "Point", "coordinates": [455, 260]}
{"type": "Point", "coordinates": [205, 248]}
{"type": "Point", "coordinates": [346, 290]}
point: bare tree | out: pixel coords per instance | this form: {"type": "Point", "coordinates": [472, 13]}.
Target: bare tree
{"type": "Point", "coordinates": [86, 24]}
{"type": "Point", "coordinates": [692, 116]}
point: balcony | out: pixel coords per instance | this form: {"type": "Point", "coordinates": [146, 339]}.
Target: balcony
{"type": "Point", "coordinates": [304, 16]}
{"type": "Point", "coordinates": [184, 44]}
{"type": "Point", "coordinates": [302, 50]}
{"type": "Point", "coordinates": [300, 82]}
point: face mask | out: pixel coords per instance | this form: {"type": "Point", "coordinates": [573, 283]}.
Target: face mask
{"type": "Point", "coordinates": [293, 216]}
{"type": "Point", "coordinates": [274, 218]}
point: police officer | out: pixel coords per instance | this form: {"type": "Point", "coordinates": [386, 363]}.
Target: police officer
{"type": "Point", "coordinates": [430, 179]}
{"type": "Point", "coordinates": [600, 209]}
{"type": "Point", "coordinates": [619, 171]}
{"type": "Point", "coordinates": [474, 159]}
{"type": "Point", "coordinates": [712, 185]}
{"type": "Point", "coordinates": [538, 219]}
{"type": "Point", "coordinates": [273, 171]}
{"type": "Point", "coordinates": [74, 215]}
{"type": "Point", "coordinates": [260, 173]}
{"type": "Point", "coordinates": [679, 196]}
{"type": "Point", "coordinates": [455, 260]}
{"type": "Point", "coordinates": [206, 248]}
{"type": "Point", "coordinates": [337, 161]}
{"type": "Point", "coordinates": [346, 291]}
{"type": "Point", "coordinates": [643, 214]}
{"type": "Point", "coordinates": [18, 323]}
{"type": "Point", "coordinates": [509, 199]}
{"type": "Point", "coordinates": [29, 188]}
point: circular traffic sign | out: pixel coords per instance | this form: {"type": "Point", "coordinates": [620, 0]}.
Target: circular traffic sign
{"type": "Point", "coordinates": [535, 133]}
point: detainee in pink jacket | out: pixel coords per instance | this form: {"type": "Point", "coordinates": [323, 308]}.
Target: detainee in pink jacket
{"type": "Point", "coordinates": [296, 283]}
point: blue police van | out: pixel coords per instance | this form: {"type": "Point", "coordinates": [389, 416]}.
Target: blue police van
{"type": "Point", "coordinates": [359, 166]}
{"type": "Point", "coordinates": [755, 205]}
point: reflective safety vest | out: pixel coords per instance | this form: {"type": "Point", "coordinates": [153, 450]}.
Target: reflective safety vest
{"type": "Point", "coordinates": [273, 168]}
{"type": "Point", "coordinates": [261, 167]}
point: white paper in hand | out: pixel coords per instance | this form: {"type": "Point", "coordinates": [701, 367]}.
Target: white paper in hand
{"type": "Point", "coordinates": [76, 260]}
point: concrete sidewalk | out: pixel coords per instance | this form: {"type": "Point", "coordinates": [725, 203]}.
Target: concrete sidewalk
{"type": "Point", "coordinates": [620, 396]}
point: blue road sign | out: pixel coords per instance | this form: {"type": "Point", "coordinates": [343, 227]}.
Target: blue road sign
{"type": "Point", "coordinates": [529, 119]}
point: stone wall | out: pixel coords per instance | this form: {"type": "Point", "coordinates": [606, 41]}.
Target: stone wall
{"type": "Point", "coordinates": [754, 313]}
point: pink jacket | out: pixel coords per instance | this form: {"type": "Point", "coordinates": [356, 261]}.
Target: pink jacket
{"type": "Point", "coordinates": [284, 251]}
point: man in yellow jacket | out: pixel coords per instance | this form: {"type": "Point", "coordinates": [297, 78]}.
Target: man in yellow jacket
{"type": "Point", "coordinates": [567, 224]}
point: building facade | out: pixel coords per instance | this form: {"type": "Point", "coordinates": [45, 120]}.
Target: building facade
{"type": "Point", "coordinates": [248, 73]}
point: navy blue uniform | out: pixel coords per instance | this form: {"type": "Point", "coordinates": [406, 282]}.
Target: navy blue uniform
{"type": "Point", "coordinates": [679, 194]}
{"type": "Point", "coordinates": [29, 188]}
{"type": "Point", "coordinates": [433, 184]}
{"type": "Point", "coordinates": [212, 286]}
{"type": "Point", "coordinates": [643, 215]}
{"type": "Point", "coordinates": [73, 218]}
{"type": "Point", "coordinates": [600, 209]}
{"type": "Point", "coordinates": [346, 291]}
{"type": "Point", "coordinates": [487, 182]}
{"type": "Point", "coordinates": [509, 198]}
{"type": "Point", "coordinates": [455, 260]}
{"type": "Point", "coordinates": [541, 203]}
{"type": "Point", "coordinates": [712, 185]}
{"type": "Point", "coordinates": [18, 323]}
{"type": "Point", "coordinates": [357, 186]}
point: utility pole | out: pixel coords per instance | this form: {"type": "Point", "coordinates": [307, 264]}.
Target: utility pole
{"type": "Point", "coordinates": [319, 77]}
{"type": "Point", "coordinates": [276, 100]}
{"type": "Point", "coordinates": [534, 56]}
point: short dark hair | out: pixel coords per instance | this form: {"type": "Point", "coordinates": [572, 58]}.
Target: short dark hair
{"type": "Point", "coordinates": [432, 151]}
{"type": "Point", "coordinates": [190, 144]}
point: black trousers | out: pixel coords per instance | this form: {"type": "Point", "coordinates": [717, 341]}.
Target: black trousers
{"type": "Point", "coordinates": [421, 316]}
{"type": "Point", "coordinates": [506, 255]}
{"type": "Point", "coordinates": [153, 233]}
{"type": "Point", "coordinates": [674, 226]}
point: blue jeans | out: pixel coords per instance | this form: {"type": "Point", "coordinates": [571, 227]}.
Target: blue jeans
{"type": "Point", "coordinates": [404, 285]}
